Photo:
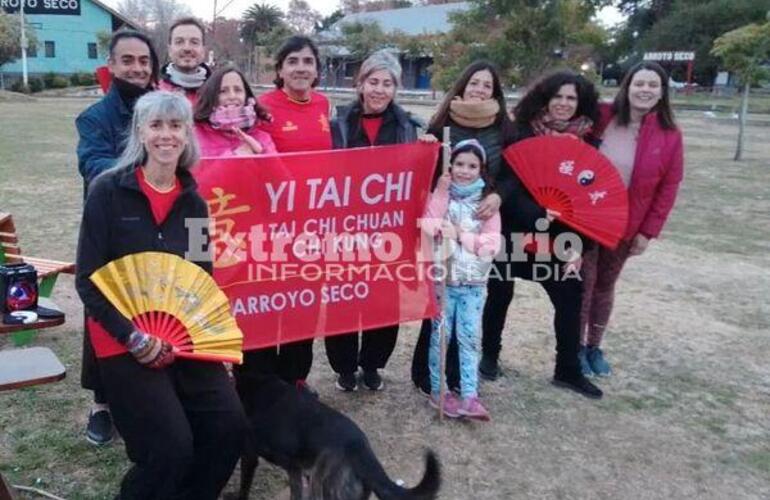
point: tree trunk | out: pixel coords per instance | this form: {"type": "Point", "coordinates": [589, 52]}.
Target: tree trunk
{"type": "Point", "coordinates": [742, 121]}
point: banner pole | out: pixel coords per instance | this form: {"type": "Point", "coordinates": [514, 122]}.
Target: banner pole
{"type": "Point", "coordinates": [446, 152]}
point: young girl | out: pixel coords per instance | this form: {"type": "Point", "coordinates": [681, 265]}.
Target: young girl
{"type": "Point", "coordinates": [452, 215]}
{"type": "Point", "coordinates": [227, 116]}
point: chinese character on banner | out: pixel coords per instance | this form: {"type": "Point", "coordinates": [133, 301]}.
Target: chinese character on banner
{"type": "Point", "coordinates": [228, 248]}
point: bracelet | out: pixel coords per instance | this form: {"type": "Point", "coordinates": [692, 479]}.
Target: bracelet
{"type": "Point", "coordinates": [137, 341]}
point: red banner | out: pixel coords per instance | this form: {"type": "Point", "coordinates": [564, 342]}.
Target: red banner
{"type": "Point", "coordinates": [319, 243]}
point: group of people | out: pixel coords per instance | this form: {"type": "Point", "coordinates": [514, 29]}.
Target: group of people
{"type": "Point", "coordinates": [181, 420]}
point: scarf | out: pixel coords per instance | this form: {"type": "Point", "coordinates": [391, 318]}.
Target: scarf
{"type": "Point", "coordinates": [473, 114]}
{"type": "Point", "coordinates": [545, 124]}
{"type": "Point", "coordinates": [192, 80]}
{"type": "Point", "coordinates": [227, 117]}
{"type": "Point", "coordinates": [458, 192]}
{"type": "Point", "coordinates": [129, 92]}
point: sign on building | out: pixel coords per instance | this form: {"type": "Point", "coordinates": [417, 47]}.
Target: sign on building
{"type": "Point", "coordinates": [669, 56]}
{"type": "Point", "coordinates": [49, 7]}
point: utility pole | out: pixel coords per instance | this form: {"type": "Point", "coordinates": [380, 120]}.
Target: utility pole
{"type": "Point", "coordinates": [214, 20]}
{"type": "Point", "coordinates": [25, 77]}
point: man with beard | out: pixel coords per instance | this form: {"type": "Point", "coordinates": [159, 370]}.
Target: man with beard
{"type": "Point", "coordinates": [102, 128]}
{"type": "Point", "coordinates": [186, 72]}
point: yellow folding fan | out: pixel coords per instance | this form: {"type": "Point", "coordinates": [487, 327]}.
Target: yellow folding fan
{"type": "Point", "coordinates": [176, 300]}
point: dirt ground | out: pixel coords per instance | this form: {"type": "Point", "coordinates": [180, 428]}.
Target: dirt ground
{"type": "Point", "coordinates": [685, 414]}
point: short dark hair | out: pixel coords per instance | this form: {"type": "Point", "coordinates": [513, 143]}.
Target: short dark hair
{"type": "Point", "coordinates": [208, 95]}
{"type": "Point", "coordinates": [621, 108]}
{"type": "Point", "coordinates": [536, 100]}
{"type": "Point", "coordinates": [295, 44]}
{"type": "Point", "coordinates": [187, 21]}
{"type": "Point", "coordinates": [129, 33]}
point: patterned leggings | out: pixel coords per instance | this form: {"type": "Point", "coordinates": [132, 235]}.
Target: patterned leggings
{"type": "Point", "coordinates": [463, 309]}
{"type": "Point", "coordinates": [601, 270]}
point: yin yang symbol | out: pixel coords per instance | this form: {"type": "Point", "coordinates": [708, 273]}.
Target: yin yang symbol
{"type": "Point", "coordinates": [586, 177]}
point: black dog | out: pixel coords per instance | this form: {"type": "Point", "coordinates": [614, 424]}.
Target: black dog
{"type": "Point", "coordinates": [291, 428]}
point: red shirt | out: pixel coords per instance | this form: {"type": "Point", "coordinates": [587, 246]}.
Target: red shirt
{"type": "Point", "coordinates": [105, 344]}
{"type": "Point", "coordinates": [160, 202]}
{"type": "Point", "coordinates": [297, 126]}
{"type": "Point", "coordinates": [372, 126]}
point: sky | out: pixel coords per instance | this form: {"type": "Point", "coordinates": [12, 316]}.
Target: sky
{"type": "Point", "coordinates": [233, 9]}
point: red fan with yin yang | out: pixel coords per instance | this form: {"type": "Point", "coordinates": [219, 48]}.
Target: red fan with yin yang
{"type": "Point", "coordinates": [570, 177]}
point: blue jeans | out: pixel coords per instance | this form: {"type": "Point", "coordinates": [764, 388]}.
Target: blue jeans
{"type": "Point", "coordinates": [462, 313]}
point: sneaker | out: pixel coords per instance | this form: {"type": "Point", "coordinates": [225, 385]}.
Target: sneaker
{"type": "Point", "coordinates": [579, 384]}
{"type": "Point", "coordinates": [598, 364]}
{"type": "Point", "coordinates": [585, 366]}
{"type": "Point", "coordinates": [372, 380]}
{"type": "Point", "coordinates": [100, 430]}
{"type": "Point", "coordinates": [473, 409]}
{"type": "Point", "coordinates": [346, 382]}
{"type": "Point", "coordinates": [489, 369]}
{"type": "Point", "coordinates": [451, 404]}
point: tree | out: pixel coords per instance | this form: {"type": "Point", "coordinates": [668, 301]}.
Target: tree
{"type": "Point", "coordinates": [226, 43]}
{"type": "Point", "coordinates": [258, 21]}
{"type": "Point", "coordinates": [301, 18]}
{"type": "Point", "coordinates": [155, 17]}
{"type": "Point", "coordinates": [523, 37]}
{"type": "Point", "coordinates": [263, 29]}
{"type": "Point", "coordinates": [695, 24]}
{"type": "Point", "coordinates": [329, 20]}
{"type": "Point", "coordinates": [361, 39]}
{"type": "Point", "coordinates": [743, 51]}
{"type": "Point", "coordinates": [10, 38]}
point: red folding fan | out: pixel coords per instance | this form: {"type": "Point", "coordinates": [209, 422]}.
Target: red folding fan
{"type": "Point", "coordinates": [574, 179]}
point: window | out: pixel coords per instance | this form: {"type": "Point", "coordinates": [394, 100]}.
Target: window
{"type": "Point", "coordinates": [92, 50]}
{"type": "Point", "coordinates": [50, 49]}
{"type": "Point", "coordinates": [32, 50]}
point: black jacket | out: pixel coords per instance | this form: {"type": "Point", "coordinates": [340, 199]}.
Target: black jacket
{"type": "Point", "coordinates": [398, 127]}
{"type": "Point", "coordinates": [117, 221]}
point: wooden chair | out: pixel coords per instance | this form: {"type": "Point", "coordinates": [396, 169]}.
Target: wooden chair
{"type": "Point", "coordinates": [47, 270]}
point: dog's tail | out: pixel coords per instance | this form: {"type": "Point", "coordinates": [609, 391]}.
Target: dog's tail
{"type": "Point", "coordinates": [374, 476]}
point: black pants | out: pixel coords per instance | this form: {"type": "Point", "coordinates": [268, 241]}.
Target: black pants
{"type": "Point", "coordinates": [420, 370]}
{"type": "Point", "coordinates": [291, 363]}
{"type": "Point", "coordinates": [566, 296]}
{"type": "Point", "coordinates": [90, 377]}
{"type": "Point", "coordinates": [183, 427]}
{"type": "Point", "coordinates": [377, 345]}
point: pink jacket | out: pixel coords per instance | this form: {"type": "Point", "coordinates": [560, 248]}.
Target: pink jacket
{"type": "Point", "coordinates": [484, 243]}
{"type": "Point", "coordinates": [658, 170]}
{"type": "Point", "coordinates": [217, 143]}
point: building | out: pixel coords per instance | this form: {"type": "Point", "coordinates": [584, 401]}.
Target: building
{"type": "Point", "coordinates": [341, 68]}
{"type": "Point", "coordinates": [67, 35]}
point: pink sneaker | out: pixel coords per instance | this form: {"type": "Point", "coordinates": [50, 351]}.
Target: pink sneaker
{"type": "Point", "coordinates": [472, 408]}
{"type": "Point", "coordinates": [451, 404]}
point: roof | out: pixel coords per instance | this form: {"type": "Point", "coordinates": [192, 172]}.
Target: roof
{"type": "Point", "coordinates": [129, 22]}
{"type": "Point", "coordinates": [411, 20]}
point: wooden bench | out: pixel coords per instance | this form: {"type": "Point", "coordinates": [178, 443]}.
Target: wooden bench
{"type": "Point", "coordinates": [47, 270]}
{"type": "Point", "coordinates": [25, 368]}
